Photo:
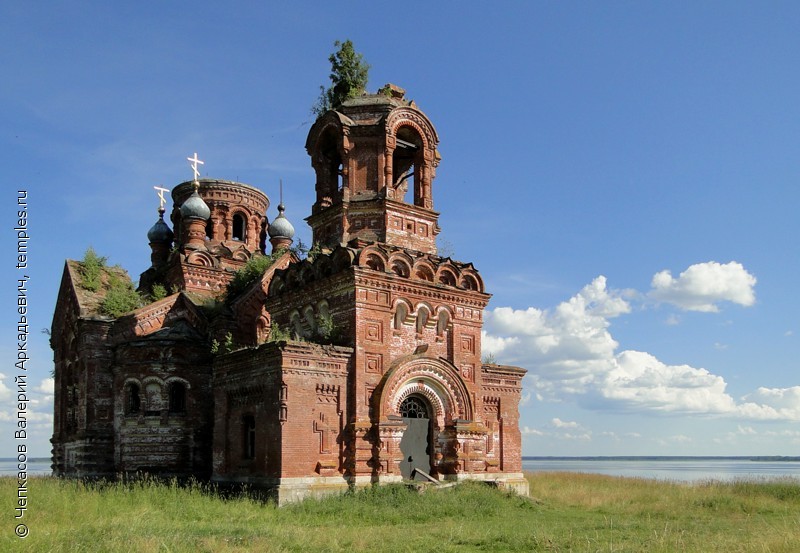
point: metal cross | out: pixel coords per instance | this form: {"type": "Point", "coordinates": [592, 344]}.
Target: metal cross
{"type": "Point", "coordinates": [161, 197]}
{"type": "Point", "coordinates": [195, 161]}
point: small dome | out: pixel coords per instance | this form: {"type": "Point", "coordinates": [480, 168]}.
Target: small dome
{"type": "Point", "coordinates": [160, 232]}
{"type": "Point", "coordinates": [194, 206]}
{"type": "Point", "coordinates": [280, 226]}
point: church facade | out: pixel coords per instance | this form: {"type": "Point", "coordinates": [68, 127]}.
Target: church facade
{"type": "Point", "coordinates": [360, 363]}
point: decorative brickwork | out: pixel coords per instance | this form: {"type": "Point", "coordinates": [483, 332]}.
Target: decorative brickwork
{"type": "Point", "coordinates": [380, 377]}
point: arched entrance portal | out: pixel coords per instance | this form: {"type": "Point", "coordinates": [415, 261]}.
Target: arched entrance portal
{"type": "Point", "coordinates": [416, 444]}
{"type": "Point", "coordinates": [422, 400]}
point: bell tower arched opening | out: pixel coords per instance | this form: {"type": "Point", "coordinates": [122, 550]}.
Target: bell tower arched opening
{"type": "Point", "coordinates": [407, 160]}
{"type": "Point", "coordinates": [328, 165]}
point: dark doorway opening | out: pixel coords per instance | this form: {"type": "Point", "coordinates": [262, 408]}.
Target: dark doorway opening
{"type": "Point", "coordinates": [416, 442]}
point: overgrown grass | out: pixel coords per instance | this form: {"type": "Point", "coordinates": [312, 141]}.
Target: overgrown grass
{"type": "Point", "coordinates": [91, 267]}
{"type": "Point", "coordinates": [254, 269]}
{"type": "Point", "coordinates": [570, 513]}
{"type": "Point", "coordinates": [121, 297]}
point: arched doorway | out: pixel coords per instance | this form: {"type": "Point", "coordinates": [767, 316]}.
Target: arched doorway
{"type": "Point", "coordinates": [416, 442]}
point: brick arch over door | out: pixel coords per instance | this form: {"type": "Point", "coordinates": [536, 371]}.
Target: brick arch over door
{"type": "Point", "coordinates": [435, 379]}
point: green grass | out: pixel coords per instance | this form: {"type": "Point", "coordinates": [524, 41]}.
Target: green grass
{"type": "Point", "coordinates": [568, 513]}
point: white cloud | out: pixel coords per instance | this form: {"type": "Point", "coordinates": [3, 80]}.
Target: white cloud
{"type": "Point", "coordinates": [639, 380]}
{"type": "Point", "coordinates": [772, 404]}
{"type": "Point", "coordinates": [5, 391]}
{"type": "Point", "coordinates": [703, 285]}
{"type": "Point", "coordinates": [528, 431]}
{"type": "Point", "coordinates": [47, 386]}
{"type": "Point", "coordinates": [571, 355]}
{"type": "Point", "coordinates": [558, 423]}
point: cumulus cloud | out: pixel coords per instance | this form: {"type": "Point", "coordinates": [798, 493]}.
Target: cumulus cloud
{"type": "Point", "coordinates": [528, 431]}
{"type": "Point", "coordinates": [571, 355]}
{"type": "Point", "coordinates": [47, 386]}
{"type": "Point", "coordinates": [703, 286]}
{"type": "Point", "coordinates": [558, 423]}
{"type": "Point", "coordinates": [40, 401]}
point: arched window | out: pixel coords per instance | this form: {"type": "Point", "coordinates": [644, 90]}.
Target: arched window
{"type": "Point", "coordinates": [413, 408]}
{"type": "Point", "coordinates": [133, 402]}
{"type": "Point", "coordinates": [443, 322]}
{"type": "Point", "coordinates": [407, 165]}
{"type": "Point", "coordinates": [328, 164]}
{"type": "Point", "coordinates": [239, 226]}
{"type": "Point", "coordinates": [177, 397]}
{"type": "Point", "coordinates": [249, 437]}
{"type": "Point", "coordinates": [400, 315]}
{"type": "Point", "coordinates": [422, 319]}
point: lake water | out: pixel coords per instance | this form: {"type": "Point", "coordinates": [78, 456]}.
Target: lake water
{"type": "Point", "coordinates": [35, 467]}
{"type": "Point", "coordinates": [681, 469]}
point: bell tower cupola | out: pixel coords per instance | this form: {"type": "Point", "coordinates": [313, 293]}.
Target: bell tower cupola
{"type": "Point", "coordinates": [375, 159]}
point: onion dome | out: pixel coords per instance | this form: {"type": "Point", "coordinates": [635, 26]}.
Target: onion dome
{"type": "Point", "coordinates": [280, 227]}
{"type": "Point", "coordinates": [160, 232]}
{"type": "Point", "coordinates": [194, 206]}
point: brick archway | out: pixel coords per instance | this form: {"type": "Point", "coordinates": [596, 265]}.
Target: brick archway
{"type": "Point", "coordinates": [438, 384]}
{"type": "Point", "coordinates": [435, 379]}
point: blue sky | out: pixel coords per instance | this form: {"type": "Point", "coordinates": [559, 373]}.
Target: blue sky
{"type": "Point", "coordinates": [624, 175]}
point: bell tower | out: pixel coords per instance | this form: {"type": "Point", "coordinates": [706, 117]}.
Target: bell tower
{"type": "Point", "coordinates": [375, 160]}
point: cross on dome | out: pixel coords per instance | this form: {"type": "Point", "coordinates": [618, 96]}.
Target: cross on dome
{"type": "Point", "coordinates": [162, 200]}
{"type": "Point", "coordinates": [195, 161]}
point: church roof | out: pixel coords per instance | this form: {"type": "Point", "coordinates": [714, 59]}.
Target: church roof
{"type": "Point", "coordinates": [280, 226]}
{"type": "Point", "coordinates": [160, 232]}
{"type": "Point", "coordinates": [194, 206]}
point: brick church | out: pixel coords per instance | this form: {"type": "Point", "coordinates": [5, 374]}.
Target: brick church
{"type": "Point", "coordinates": [360, 363]}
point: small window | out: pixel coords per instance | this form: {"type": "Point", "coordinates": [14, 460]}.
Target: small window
{"type": "Point", "coordinates": [177, 398]}
{"type": "Point", "coordinates": [133, 401]}
{"type": "Point", "coordinates": [239, 224]}
{"type": "Point", "coordinates": [249, 437]}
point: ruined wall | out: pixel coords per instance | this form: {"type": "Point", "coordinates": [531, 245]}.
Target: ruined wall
{"type": "Point", "coordinates": [163, 405]}
{"type": "Point", "coordinates": [280, 413]}
{"type": "Point", "coordinates": [83, 439]}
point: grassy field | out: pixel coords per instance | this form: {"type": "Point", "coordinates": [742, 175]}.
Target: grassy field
{"type": "Point", "coordinates": [567, 512]}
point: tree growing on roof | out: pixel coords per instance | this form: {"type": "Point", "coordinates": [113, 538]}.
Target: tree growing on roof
{"type": "Point", "coordinates": [349, 75]}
